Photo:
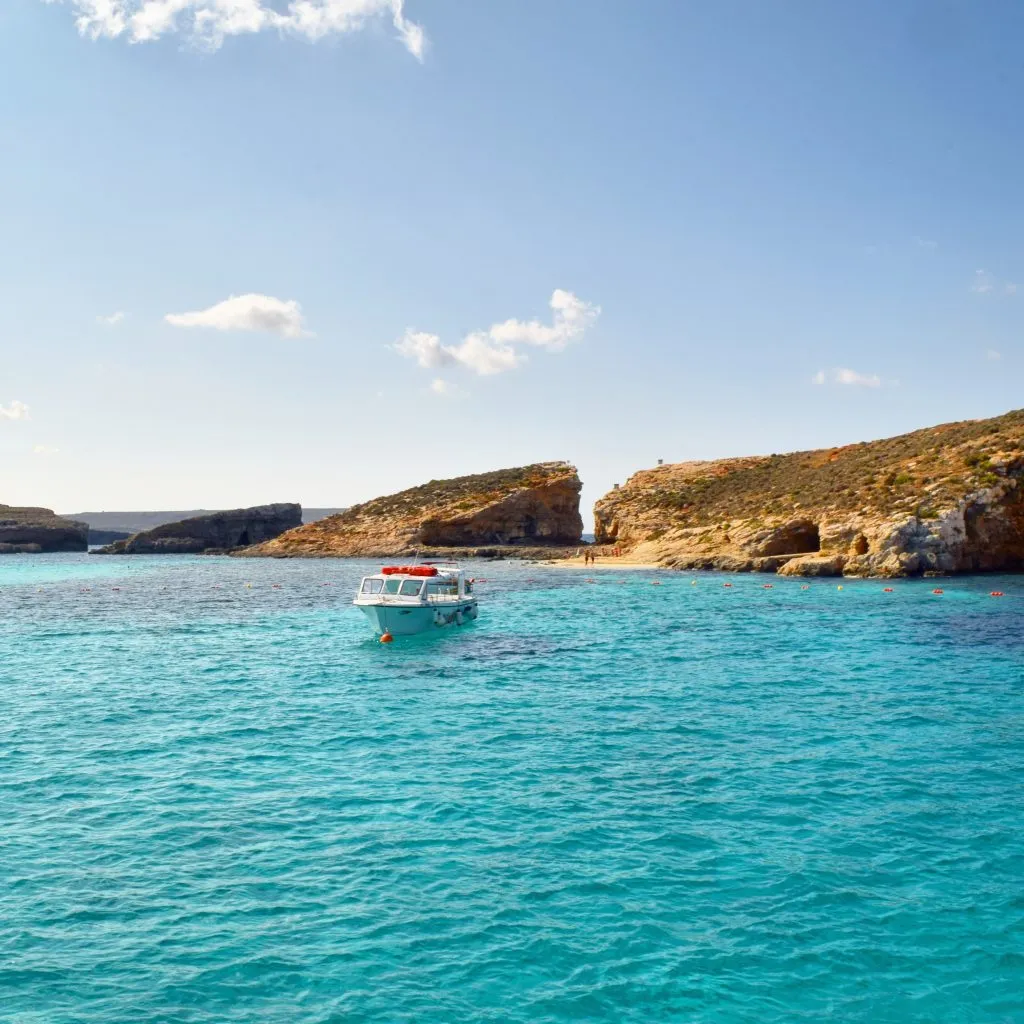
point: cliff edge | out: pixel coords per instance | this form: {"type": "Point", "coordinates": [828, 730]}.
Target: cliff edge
{"type": "Point", "coordinates": [33, 530]}
{"type": "Point", "coordinates": [944, 499]}
{"type": "Point", "coordinates": [534, 505]}
{"type": "Point", "coordinates": [218, 531]}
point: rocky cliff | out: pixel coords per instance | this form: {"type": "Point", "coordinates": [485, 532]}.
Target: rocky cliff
{"type": "Point", "coordinates": [535, 505]}
{"type": "Point", "coordinates": [32, 530]}
{"type": "Point", "coordinates": [945, 499]}
{"type": "Point", "coordinates": [218, 531]}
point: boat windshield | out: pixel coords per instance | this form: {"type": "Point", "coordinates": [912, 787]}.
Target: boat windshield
{"type": "Point", "coordinates": [372, 586]}
{"type": "Point", "coordinates": [411, 588]}
{"type": "Point", "coordinates": [391, 585]}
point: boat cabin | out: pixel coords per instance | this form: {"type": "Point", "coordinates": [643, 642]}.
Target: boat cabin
{"type": "Point", "coordinates": [416, 584]}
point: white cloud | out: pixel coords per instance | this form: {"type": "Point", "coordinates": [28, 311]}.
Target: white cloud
{"type": "Point", "coordinates": [44, 449]}
{"type": "Point", "coordinates": [440, 386]}
{"type": "Point", "coordinates": [113, 320]}
{"type": "Point", "coordinates": [864, 380]}
{"type": "Point", "coordinates": [15, 411]}
{"type": "Point", "coordinates": [247, 313]}
{"type": "Point", "coordinates": [925, 243]}
{"type": "Point", "coordinates": [992, 355]}
{"type": "Point", "coordinates": [492, 351]}
{"type": "Point", "coordinates": [842, 375]}
{"type": "Point", "coordinates": [984, 283]}
{"type": "Point", "coordinates": [209, 22]}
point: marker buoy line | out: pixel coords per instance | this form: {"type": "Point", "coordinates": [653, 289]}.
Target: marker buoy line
{"type": "Point", "coordinates": [726, 584]}
{"type": "Point", "coordinates": [655, 583]}
{"type": "Point", "coordinates": [805, 586]}
{"type": "Point", "coordinates": [886, 590]}
{"type": "Point", "coordinates": [386, 638]}
{"type": "Point", "coordinates": [938, 590]}
{"type": "Point", "coordinates": [996, 593]}
{"type": "Point", "coordinates": [768, 586]}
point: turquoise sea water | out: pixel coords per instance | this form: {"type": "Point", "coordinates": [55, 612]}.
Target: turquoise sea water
{"type": "Point", "coordinates": [605, 801]}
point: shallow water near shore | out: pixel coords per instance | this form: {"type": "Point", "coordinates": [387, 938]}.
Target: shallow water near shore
{"type": "Point", "coordinates": [604, 801]}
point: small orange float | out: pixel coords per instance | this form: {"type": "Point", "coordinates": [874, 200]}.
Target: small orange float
{"type": "Point", "coordinates": [996, 593]}
{"type": "Point", "coordinates": [386, 638]}
{"type": "Point", "coordinates": [938, 590]}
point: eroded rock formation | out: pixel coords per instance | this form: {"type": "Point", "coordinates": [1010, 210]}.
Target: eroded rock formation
{"type": "Point", "coordinates": [945, 499]}
{"type": "Point", "coordinates": [532, 506]}
{"type": "Point", "coordinates": [218, 531]}
{"type": "Point", "coordinates": [33, 530]}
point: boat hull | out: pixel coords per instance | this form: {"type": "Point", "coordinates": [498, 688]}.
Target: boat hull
{"type": "Point", "coordinates": [410, 621]}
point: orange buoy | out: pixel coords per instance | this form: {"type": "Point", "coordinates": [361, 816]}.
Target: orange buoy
{"type": "Point", "coordinates": [769, 586]}
{"type": "Point", "coordinates": [386, 638]}
{"type": "Point", "coordinates": [996, 593]}
{"type": "Point", "coordinates": [938, 590]}
{"type": "Point", "coordinates": [726, 584]}
{"type": "Point", "coordinates": [886, 590]}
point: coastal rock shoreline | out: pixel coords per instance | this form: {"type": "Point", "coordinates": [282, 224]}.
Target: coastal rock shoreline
{"type": "Point", "coordinates": [943, 500]}
{"type": "Point", "coordinates": [216, 533]}
{"type": "Point", "coordinates": [530, 507]}
{"type": "Point", "coordinates": [30, 531]}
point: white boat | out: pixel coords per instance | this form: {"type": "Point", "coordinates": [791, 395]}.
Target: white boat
{"type": "Point", "coordinates": [402, 600]}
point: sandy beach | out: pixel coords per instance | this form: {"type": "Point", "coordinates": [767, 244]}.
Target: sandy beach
{"type": "Point", "coordinates": [604, 563]}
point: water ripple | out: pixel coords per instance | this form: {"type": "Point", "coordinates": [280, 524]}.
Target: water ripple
{"type": "Point", "coordinates": [222, 801]}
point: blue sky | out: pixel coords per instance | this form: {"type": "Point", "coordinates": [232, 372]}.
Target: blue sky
{"type": "Point", "coordinates": [765, 226]}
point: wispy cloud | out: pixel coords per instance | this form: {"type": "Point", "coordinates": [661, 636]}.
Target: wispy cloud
{"type": "Point", "coordinates": [247, 313]}
{"type": "Point", "coordinates": [983, 283]}
{"type": "Point", "coordinates": [44, 449]}
{"type": "Point", "coordinates": [113, 320]}
{"type": "Point", "coordinates": [843, 375]}
{"type": "Point", "coordinates": [210, 22]}
{"type": "Point", "coordinates": [15, 411]}
{"type": "Point", "coordinates": [992, 355]}
{"type": "Point", "coordinates": [494, 350]}
{"type": "Point", "coordinates": [925, 243]}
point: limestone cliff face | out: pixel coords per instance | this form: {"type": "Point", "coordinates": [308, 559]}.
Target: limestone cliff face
{"type": "Point", "coordinates": [218, 531]}
{"type": "Point", "coordinates": [945, 499]}
{"type": "Point", "coordinates": [534, 505]}
{"type": "Point", "coordinates": [32, 530]}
